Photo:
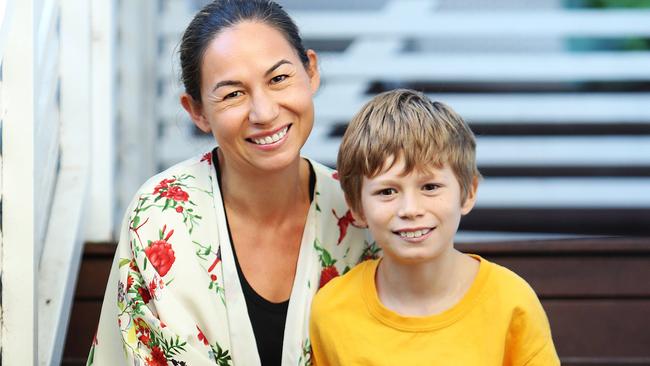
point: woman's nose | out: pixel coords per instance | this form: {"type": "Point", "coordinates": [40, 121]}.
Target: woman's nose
{"type": "Point", "coordinates": [264, 109]}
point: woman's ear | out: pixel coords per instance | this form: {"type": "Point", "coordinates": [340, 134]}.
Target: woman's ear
{"type": "Point", "coordinates": [195, 110]}
{"type": "Point", "coordinates": [470, 200]}
{"type": "Point", "coordinates": [312, 70]}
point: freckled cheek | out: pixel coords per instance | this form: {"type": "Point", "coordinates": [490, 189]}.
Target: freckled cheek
{"type": "Point", "coordinates": [227, 124]}
{"type": "Point", "coordinates": [300, 101]}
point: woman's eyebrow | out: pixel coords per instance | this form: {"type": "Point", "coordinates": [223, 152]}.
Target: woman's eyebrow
{"type": "Point", "coordinates": [276, 65]}
{"type": "Point", "coordinates": [239, 83]}
{"type": "Point", "coordinates": [226, 83]}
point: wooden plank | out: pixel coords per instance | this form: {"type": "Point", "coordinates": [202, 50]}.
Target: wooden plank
{"type": "Point", "coordinates": [502, 67]}
{"type": "Point", "coordinates": [346, 24]}
{"type": "Point", "coordinates": [467, 23]}
{"type": "Point", "coordinates": [136, 143]}
{"type": "Point", "coordinates": [47, 13]}
{"type": "Point", "coordinates": [513, 108]}
{"type": "Point", "coordinates": [6, 19]}
{"type": "Point", "coordinates": [600, 328]}
{"type": "Point", "coordinates": [620, 221]}
{"type": "Point", "coordinates": [583, 276]}
{"type": "Point", "coordinates": [18, 335]}
{"type": "Point", "coordinates": [93, 275]}
{"type": "Point", "coordinates": [82, 328]}
{"type": "Point", "coordinates": [620, 246]}
{"type": "Point", "coordinates": [522, 150]}
{"type": "Point", "coordinates": [103, 114]}
{"type": "Point", "coordinates": [594, 193]}
{"type": "Point", "coordinates": [63, 242]}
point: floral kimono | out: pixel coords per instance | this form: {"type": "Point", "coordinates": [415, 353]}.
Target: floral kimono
{"type": "Point", "coordinates": [174, 296]}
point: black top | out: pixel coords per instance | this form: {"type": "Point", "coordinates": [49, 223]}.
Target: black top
{"type": "Point", "coordinates": [267, 318]}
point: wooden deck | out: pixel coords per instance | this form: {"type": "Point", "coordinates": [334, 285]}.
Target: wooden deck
{"type": "Point", "coordinates": [595, 291]}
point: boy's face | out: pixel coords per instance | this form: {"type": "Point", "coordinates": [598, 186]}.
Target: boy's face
{"type": "Point", "coordinates": [413, 217]}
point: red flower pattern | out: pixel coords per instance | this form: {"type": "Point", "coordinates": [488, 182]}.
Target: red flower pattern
{"type": "Point", "coordinates": [164, 184]}
{"type": "Point", "coordinates": [157, 357]}
{"type": "Point", "coordinates": [179, 209]}
{"type": "Point", "coordinates": [343, 223]}
{"type": "Point", "coordinates": [152, 288]}
{"type": "Point", "coordinates": [161, 254]}
{"type": "Point", "coordinates": [176, 193]}
{"type": "Point", "coordinates": [129, 283]}
{"type": "Point", "coordinates": [202, 336]}
{"type": "Point", "coordinates": [327, 274]}
{"type": "Point", "coordinates": [207, 157]}
{"type": "Point", "coordinates": [146, 296]}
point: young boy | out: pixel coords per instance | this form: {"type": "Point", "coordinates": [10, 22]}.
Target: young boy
{"type": "Point", "coordinates": [408, 170]}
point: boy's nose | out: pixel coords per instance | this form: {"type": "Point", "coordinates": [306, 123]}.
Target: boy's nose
{"type": "Point", "coordinates": [410, 207]}
{"type": "Point", "coordinates": [264, 108]}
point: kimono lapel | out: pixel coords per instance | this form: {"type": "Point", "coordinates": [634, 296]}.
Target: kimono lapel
{"type": "Point", "coordinates": [303, 290]}
{"type": "Point", "coordinates": [243, 346]}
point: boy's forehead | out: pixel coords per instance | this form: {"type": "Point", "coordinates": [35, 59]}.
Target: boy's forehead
{"type": "Point", "coordinates": [398, 165]}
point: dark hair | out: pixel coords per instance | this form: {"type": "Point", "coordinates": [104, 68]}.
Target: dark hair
{"type": "Point", "coordinates": [219, 15]}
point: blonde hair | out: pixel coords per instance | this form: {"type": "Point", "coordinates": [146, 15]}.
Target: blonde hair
{"type": "Point", "coordinates": [405, 124]}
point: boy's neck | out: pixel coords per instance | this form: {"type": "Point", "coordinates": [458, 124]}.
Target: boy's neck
{"type": "Point", "coordinates": [425, 288]}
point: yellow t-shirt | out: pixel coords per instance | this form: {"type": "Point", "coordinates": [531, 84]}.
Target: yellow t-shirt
{"type": "Point", "coordinates": [499, 321]}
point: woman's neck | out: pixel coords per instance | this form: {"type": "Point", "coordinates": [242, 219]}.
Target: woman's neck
{"type": "Point", "coordinates": [262, 195]}
{"type": "Point", "coordinates": [427, 288]}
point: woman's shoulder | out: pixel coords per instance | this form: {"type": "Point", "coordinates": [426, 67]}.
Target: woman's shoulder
{"type": "Point", "coordinates": [197, 168]}
{"type": "Point", "coordinates": [178, 184]}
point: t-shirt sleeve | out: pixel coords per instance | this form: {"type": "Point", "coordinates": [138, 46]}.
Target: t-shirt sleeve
{"type": "Point", "coordinates": [529, 338]}
{"type": "Point", "coordinates": [316, 338]}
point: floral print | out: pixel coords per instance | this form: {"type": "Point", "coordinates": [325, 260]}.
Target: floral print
{"type": "Point", "coordinates": [174, 292]}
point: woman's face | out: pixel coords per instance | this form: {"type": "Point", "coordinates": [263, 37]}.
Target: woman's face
{"type": "Point", "coordinates": [256, 97]}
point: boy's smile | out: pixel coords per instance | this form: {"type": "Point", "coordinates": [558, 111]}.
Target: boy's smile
{"type": "Point", "coordinates": [413, 216]}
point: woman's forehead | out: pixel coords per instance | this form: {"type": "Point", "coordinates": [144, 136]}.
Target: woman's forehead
{"type": "Point", "coordinates": [251, 40]}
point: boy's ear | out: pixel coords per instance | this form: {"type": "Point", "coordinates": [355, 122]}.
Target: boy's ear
{"type": "Point", "coordinates": [195, 110]}
{"type": "Point", "coordinates": [468, 205]}
{"type": "Point", "coordinates": [359, 218]}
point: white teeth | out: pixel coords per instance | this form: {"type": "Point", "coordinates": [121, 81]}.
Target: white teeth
{"type": "Point", "coordinates": [414, 234]}
{"type": "Point", "coordinates": [271, 139]}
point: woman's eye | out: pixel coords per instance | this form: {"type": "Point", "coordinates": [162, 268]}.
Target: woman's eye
{"type": "Point", "coordinates": [279, 78]}
{"type": "Point", "coordinates": [386, 192]}
{"type": "Point", "coordinates": [234, 94]}
{"type": "Point", "coordinates": [430, 187]}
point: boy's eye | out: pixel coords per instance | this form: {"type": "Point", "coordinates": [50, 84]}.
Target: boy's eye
{"type": "Point", "coordinates": [234, 94]}
{"type": "Point", "coordinates": [430, 187]}
{"type": "Point", "coordinates": [386, 192]}
{"type": "Point", "coordinates": [279, 78]}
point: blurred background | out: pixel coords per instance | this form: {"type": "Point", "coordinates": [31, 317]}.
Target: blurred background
{"type": "Point", "coordinates": [557, 92]}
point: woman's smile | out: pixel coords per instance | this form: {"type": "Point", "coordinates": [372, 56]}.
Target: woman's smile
{"type": "Point", "coordinates": [270, 140]}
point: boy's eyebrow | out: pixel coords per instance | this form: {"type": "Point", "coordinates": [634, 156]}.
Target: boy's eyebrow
{"type": "Point", "coordinates": [239, 83]}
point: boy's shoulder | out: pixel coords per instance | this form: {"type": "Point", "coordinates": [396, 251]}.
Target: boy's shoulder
{"type": "Point", "coordinates": [345, 290]}
{"type": "Point", "coordinates": [507, 284]}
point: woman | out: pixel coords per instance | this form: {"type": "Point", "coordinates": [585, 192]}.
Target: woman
{"type": "Point", "coordinates": [220, 256]}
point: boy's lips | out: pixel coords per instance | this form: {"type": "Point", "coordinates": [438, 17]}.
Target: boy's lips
{"type": "Point", "coordinates": [414, 234]}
